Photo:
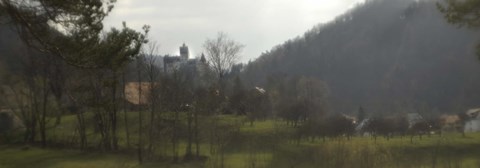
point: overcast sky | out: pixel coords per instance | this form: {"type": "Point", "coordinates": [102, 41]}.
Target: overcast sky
{"type": "Point", "coordinates": [258, 24]}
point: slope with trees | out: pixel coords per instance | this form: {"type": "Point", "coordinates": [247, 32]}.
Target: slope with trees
{"type": "Point", "coordinates": [385, 55]}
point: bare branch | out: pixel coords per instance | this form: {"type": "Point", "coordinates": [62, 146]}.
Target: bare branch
{"type": "Point", "coordinates": [222, 53]}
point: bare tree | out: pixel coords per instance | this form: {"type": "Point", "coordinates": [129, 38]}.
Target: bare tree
{"type": "Point", "coordinates": [139, 68]}
{"type": "Point", "coordinates": [125, 117]}
{"type": "Point", "coordinates": [153, 75]}
{"type": "Point", "coordinates": [222, 53]}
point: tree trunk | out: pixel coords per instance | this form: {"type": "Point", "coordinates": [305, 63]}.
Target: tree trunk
{"type": "Point", "coordinates": [188, 154]}
{"type": "Point", "coordinates": [35, 117]}
{"type": "Point", "coordinates": [43, 116]}
{"type": "Point", "coordinates": [125, 117]}
{"type": "Point", "coordinates": [140, 141]}
{"type": "Point", "coordinates": [197, 141]}
{"type": "Point", "coordinates": [113, 115]}
{"type": "Point", "coordinates": [82, 130]}
{"type": "Point", "coordinates": [175, 137]}
{"type": "Point", "coordinates": [43, 124]}
{"type": "Point", "coordinates": [140, 120]}
{"type": "Point", "coordinates": [152, 116]}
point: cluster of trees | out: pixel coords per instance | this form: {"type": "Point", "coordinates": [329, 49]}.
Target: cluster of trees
{"type": "Point", "coordinates": [66, 56]}
{"type": "Point", "coordinates": [64, 64]}
{"type": "Point", "coordinates": [67, 64]}
{"type": "Point", "coordinates": [299, 99]}
{"type": "Point", "coordinates": [333, 126]}
{"type": "Point", "coordinates": [340, 126]}
{"type": "Point", "coordinates": [66, 42]}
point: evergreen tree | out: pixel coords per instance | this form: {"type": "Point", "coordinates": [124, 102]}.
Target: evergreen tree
{"type": "Point", "coordinates": [463, 14]}
{"type": "Point", "coordinates": [361, 114]}
{"type": "Point", "coordinates": [237, 100]}
{"type": "Point", "coordinates": [73, 30]}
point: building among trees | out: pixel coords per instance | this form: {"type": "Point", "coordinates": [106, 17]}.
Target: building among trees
{"type": "Point", "coordinates": [473, 124]}
{"type": "Point", "coordinates": [174, 63]}
{"type": "Point", "coordinates": [414, 118]}
{"type": "Point", "coordinates": [137, 93]}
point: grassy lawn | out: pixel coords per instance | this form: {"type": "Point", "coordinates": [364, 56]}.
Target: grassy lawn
{"type": "Point", "coordinates": [269, 144]}
{"type": "Point", "coordinates": [449, 150]}
{"type": "Point", "coordinates": [18, 157]}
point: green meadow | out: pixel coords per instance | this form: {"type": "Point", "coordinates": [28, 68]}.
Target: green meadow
{"type": "Point", "coordinates": [269, 143]}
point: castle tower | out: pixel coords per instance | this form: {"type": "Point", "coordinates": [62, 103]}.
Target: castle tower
{"type": "Point", "coordinates": [184, 54]}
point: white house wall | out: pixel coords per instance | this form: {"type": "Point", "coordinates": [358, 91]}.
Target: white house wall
{"type": "Point", "coordinates": [472, 126]}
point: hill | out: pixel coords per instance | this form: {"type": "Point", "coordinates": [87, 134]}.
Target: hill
{"type": "Point", "coordinates": [384, 55]}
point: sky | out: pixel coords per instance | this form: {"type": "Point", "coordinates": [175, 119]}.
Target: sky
{"type": "Point", "coordinates": [257, 24]}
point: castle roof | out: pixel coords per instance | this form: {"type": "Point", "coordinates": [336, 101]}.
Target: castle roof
{"type": "Point", "coordinates": [171, 59]}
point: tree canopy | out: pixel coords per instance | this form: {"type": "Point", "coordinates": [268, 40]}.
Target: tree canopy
{"type": "Point", "coordinates": [73, 30]}
{"type": "Point", "coordinates": [462, 13]}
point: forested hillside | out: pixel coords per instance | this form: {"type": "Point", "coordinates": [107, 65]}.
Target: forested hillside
{"type": "Point", "coordinates": [384, 55]}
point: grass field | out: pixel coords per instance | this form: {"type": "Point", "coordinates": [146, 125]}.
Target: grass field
{"type": "Point", "coordinates": [19, 157]}
{"type": "Point", "coordinates": [271, 144]}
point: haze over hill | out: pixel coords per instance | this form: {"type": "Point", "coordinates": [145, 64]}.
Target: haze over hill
{"type": "Point", "coordinates": [385, 55]}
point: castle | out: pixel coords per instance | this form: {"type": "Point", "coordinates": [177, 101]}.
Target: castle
{"type": "Point", "coordinates": [174, 63]}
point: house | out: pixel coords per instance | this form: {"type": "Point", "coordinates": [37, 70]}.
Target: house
{"type": "Point", "coordinates": [138, 93]}
{"type": "Point", "coordinates": [390, 125]}
{"type": "Point", "coordinates": [350, 118]}
{"type": "Point", "coordinates": [473, 124]}
{"type": "Point", "coordinates": [450, 122]}
{"type": "Point", "coordinates": [362, 126]}
{"type": "Point", "coordinates": [414, 118]}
